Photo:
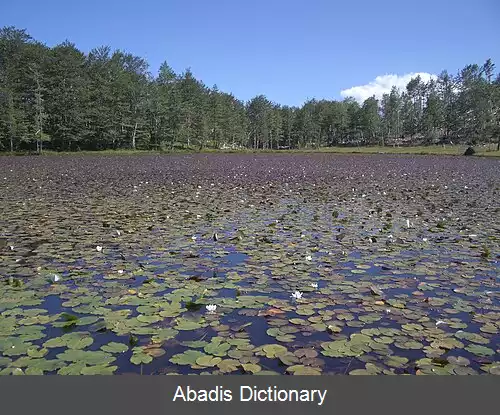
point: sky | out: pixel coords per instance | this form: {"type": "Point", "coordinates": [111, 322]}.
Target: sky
{"type": "Point", "coordinates": [288, 50]}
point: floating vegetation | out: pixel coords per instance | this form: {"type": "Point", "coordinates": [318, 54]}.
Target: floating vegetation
{"type": "Point", "coordinates": [249, 264]}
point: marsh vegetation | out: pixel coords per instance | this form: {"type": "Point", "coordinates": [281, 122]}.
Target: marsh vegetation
{"type": "Point", "coordinates": [249, 264]}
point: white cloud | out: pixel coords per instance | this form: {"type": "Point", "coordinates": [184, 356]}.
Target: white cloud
{"type": "Point", "coordinates": [383, 84]}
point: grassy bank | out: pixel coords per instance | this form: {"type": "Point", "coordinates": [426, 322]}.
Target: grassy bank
{"type": "Point", "coordinates": [483, 151]}
{"type": "Point", "coordinates": [423, 150]}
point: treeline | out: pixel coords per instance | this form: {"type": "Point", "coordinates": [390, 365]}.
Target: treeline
{"type": "Point", "coordinates": [63, 99]}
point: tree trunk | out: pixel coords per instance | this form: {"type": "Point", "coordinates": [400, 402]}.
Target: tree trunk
{"type": "Point", "coordinates": [133, 136]}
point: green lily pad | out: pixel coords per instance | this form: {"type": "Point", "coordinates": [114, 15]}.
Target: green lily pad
{"type": "Point", "coordinates": [80, 343]}
{"type": "Point", "coordinates": [362, 372]}
{"type": "Point", "coordinates": [72, 369]}
{"type": "Point", "coordinates": [489, 328]}
{"type": "Point", "coordinates": [288, 359]}
{"type": "Point", "coordinates": [447, 343]}
{"type": "Point", "coordinates": [458, 360]}
{"type": "Point", "coordinates": [4, 361]}
{"type": "Point", "coordinates": [273, 350]}
{"type": "Point", "coordinates": [84, 321]}
{"type": "Point", "coordinates": [299, 321]}
{"type": "Point", "coordinates": [472, 337]}
{"type": "Point", "coordinates": [141, 358]}
{"type": "Point", "coordinates": [208, 361]}
{"type": "Point", "coordinates": [251, 368]}
{"type": "Point", "coordinates": [195, 344]}
{"type": "Point", "coordinates": [228, 365]}
{"type": "Point", "coordinates": [187, 358]}
{"type": "Point", "coordinates": [55, 342]}
{"type": "Point", "coordinates": [186, 325]}
{"type": "Point", "coordinates": [87, 357]}
{"type": "Point", "coordinates": [36, 352]}
{"type": "Point", "coordinates": [479, 350]}
{"type": "Point", "coordinates": [114, 347]}
{"type": "Point", "coordinates": [148, 319]}
{"type": "Point", "coordinates": [217, 348]}
{"type": "Point", "coordinates": [396, 361]}
{"type": "Point", "coordinates": [98, 370]}
{"type": "Point", "coordinates": [303, 370]}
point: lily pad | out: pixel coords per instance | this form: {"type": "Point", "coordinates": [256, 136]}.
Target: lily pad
{"type": "Point", "coordinates": [228, 365]}
{"type": "Point", "coordinates": [189, 357]}
{"type": "Point", "coordinates": [98, 370]}
{"type": "Point", "coordinates": [208, 361]}
{"type": "Point", "coordinates": [86, 357]}
{"type": "Point", "coordinates": [479, 350]}
{"type": "Point", "coordinates": [114, 347]}
{"type": "Point", "coordinates": [303, 370]}
{"type": "Point", "coordinates": [273, 350]}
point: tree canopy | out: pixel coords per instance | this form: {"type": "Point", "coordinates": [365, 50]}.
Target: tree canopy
{"type": "Point", "coordinates": [66, 100]}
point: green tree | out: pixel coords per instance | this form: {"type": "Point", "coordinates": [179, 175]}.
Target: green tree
{"type": "Point", "coordinates": [66, 99]}
{"type": "Point", "coordinates": [433, 114]}
{"type": "Point", "coordinates": [370, 120]}
{"type": "Point", "coordinates": [391, 110]}
{"type": "Point", "coordinates": [258, 111]}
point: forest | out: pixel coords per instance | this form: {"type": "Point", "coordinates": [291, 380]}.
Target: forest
{"type": "Point", "coordinates": [62, 99]}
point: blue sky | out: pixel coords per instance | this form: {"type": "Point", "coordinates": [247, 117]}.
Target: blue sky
{"type": "Point", "coordinates": [288, 50]}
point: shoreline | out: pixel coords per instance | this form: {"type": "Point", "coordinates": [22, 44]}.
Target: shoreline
{"type": "Point", "coordinates": [417, 150]}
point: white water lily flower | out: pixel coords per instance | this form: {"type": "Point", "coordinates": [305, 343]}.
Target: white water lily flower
{"type": "Point", "coordinates": [211, 308]}
{"type": "Point", "coordinates": [54, 278]}
{"type": "Point", "coordinates": [387, 310]}
{"type": "Point", "coordinates": [309, 258]}
{"type": "Point", "coordinates": [424, 239]}
{"type": "Point", "coordinates": [297, 295]}
{"type": "Point", "coordinates": [120, 271]}
{"type": "Point", "coordinates": [98, 248]}
{"type": "Point", "coordinates": [314, 284]}
{"type": "Point", "coordinates": [193, 238]}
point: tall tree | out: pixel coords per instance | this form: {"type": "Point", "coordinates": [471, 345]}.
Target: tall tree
{"type": "Point", "coordinates": [66, 96]}
{"type": "Point", "coordinates": [370, 120]}
{"type": "Point", "coordinates": [258, 110]}
{"type": "Point", "coordinates": [391, 110]}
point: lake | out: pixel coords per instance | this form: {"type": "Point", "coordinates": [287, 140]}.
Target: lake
{"type": "Point", "coordinates": [315, 263]}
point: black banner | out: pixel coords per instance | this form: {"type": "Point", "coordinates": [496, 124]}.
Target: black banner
{"type": "Point", "coordinates": [247, 394]}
